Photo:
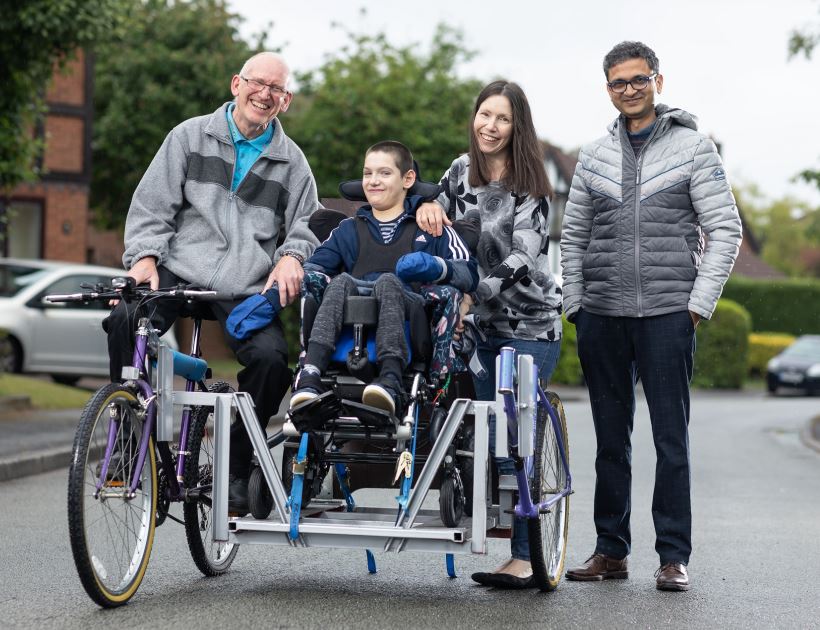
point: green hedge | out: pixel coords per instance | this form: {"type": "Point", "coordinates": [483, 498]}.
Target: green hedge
{"type": "Point", "coordinates": [784, 305]}
{"type": "Point", "coordinates": [568, 370]}
{"type": "Point", "coordinates": [723, 347]}
{"type": "Point", "coordinates": [763, 346]}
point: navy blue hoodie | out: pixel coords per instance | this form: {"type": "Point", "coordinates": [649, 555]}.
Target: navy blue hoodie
{"type": "Point", "coordinates": [341, 249]}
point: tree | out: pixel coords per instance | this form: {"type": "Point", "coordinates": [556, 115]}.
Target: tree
{"type": "Point", "coordinates": [34, 35]}
{"type": "Point", "coordinates": [372, 91]}
{"type": "Point", "coordinates": [788, 229]}
{"type": "Point", "coordinates": [173, 61]}
{"type": "Point", "coordinates": [804, 41]}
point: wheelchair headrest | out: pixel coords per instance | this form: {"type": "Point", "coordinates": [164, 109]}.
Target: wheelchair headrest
{"type": "Point", "coordinates": [354, 191]}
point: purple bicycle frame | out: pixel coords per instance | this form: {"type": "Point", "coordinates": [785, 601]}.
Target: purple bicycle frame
{"type": "Point", "coordinates": [525, 508]}
{"type": "Point", "coordinates": [138, 362]}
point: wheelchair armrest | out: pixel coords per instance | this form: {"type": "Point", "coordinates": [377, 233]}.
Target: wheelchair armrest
{"type": "Point", "coordinates": [361, 310]}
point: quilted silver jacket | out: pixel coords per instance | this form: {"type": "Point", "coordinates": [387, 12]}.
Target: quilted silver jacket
{"type": "Point", "coordinates": [632, 243]}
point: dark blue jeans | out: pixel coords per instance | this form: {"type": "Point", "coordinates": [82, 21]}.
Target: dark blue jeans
{"type": "Point", "coordinates": [545, 356]}
{"type": "Point", "coordinates": [615, 352]}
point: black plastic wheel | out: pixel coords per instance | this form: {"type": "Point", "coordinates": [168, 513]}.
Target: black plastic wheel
{"type": "Point", "coordinates": [466, 466]}
{"type": "Point", "coordinates": [548, 532]}
{"type": "Point", "coordinates": [111, 533]}
{"type": "Point", "coordinates": [314, 473]}
{"type": "Point", "coordinates": [212, 558]}
{"type": "Point", "coordinates": [451, 500]}
{"type": "Point", "coordinates": [260, 501]}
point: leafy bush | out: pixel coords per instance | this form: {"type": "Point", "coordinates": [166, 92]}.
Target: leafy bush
{"type": "Point", "coordinates": [568, 370]}
{"type": "Point", "coordinates": [783, 305]}
{"type": "Point", "coordinates": [763, 346]}
{"type": "Point", "coordinates": [723, 347]}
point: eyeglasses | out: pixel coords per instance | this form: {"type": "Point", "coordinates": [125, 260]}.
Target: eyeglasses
{"type": "Point", "coordinates": [638, 83]}
{"type": "Point", "coordinates": [258, 86]}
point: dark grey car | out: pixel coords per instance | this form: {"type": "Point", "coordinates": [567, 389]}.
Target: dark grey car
{"type": "Point", "coordinates": [798, 366]}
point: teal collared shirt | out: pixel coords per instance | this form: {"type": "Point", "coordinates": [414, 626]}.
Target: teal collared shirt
{"type": "Point", "coordinates": [247, 151]}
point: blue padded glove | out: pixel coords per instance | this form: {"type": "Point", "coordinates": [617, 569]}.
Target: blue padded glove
{"type": "Point", "coordinates": [420, 267]}
{"type": "Point", "coordinates": [253, 313]}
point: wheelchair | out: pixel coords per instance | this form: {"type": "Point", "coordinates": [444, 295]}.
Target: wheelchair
{"type": "Point", "coordinates": [438, 439]}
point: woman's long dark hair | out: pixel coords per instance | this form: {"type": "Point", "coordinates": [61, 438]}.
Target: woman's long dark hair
{"type": "Point", "coordinates": [525, 172]}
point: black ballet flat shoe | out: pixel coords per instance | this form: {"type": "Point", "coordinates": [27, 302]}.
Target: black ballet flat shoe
{"type": "Point", "coordinates": [481, 577]}
{"type": "Point", "coordinates": [508, 582]}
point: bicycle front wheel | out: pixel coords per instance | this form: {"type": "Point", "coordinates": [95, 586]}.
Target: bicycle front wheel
{"type": "Point", "coordinates": [111, 533]}
{"type": "Point", "coordinates": [212, 558]}
{"type": "Point", "coordinates": [548, 533]}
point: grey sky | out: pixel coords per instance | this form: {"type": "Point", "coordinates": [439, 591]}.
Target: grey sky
{"type": "Point", "coordinates": [723, 60]}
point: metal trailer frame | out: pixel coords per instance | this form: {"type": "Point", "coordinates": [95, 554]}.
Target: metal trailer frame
{"type": "Point", "coordinates": [321, 525]}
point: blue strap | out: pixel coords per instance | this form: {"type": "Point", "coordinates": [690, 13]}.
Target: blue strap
{"type": "Point", "coordinates": [450, 560]}
{"type": "Point", "coordinates": [407, 482]}
{"type": "Point", "coordinates": [371, 561]}
{"type": "Point", "coordinates": [296, 489]}
{"type": "Point", "coordinates": [341, 475]}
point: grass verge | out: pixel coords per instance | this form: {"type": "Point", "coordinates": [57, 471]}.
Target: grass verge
{"type": "Point", "coordinates": [43, 394]}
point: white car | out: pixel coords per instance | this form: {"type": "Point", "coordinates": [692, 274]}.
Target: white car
{"type": "Point", "coordinates": [64, 340]}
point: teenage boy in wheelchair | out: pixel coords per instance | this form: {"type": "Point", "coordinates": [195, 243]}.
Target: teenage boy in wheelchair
{"type": "Point", "coordinates": [379, 252]}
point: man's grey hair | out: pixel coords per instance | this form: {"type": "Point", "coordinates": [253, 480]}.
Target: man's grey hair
{"type": "Point", "coordinates": [631, 50]}
{"type": "Point", "coordinates": [269, 55]}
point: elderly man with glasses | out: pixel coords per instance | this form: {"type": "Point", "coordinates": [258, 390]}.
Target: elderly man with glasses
{"type": "Point", "coordinates": [225, 205]}
{"type": "Point", "coordinates": [638, 277]}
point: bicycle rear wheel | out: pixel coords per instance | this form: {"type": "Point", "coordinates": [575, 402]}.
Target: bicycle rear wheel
{"type": "Point", "coordinates": [210, 557]}
{"type": "Point", "coordinates": [548, 533]}
{"type": "Point", "coordinates": [111, 534]}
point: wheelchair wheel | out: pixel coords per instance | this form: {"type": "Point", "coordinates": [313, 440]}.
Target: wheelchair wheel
{"type": "Point", "coordinates": [260, 501]}
{"type": "Point", "coordinates": [465, 466]}
{"type": "Point", "coordinates": [111, 535]}
{"type": "Point", "coordinates": [451, 500]}
{"type": "Point", "coordinates": [548, 533]}
{"type": "Point", "coordinates": [212, 558]}
{"type": "Point", "coordinates": [315, 471]}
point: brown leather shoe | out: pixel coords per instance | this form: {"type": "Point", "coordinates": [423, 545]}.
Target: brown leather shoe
{"type": "Point", "coordinates": [599, 567]}
{"type": "Point", "coordinates": [672, 577]}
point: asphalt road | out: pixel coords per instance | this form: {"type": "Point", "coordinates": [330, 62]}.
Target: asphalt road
{"type": "Point", "coordinates": [756, 561]}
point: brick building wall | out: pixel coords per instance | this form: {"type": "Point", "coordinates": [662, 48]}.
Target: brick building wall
{"type": "Point", "coordinates": [60, 198]}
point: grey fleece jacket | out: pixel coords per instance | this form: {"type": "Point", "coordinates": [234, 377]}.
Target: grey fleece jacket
{"type": "Point", "coordinates": [184, 213]}
{"type": "Point", "coordinates": [632, 243]}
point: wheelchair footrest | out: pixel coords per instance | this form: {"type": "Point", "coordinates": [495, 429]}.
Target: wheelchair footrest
{"type": "Point", "coordinates": [368, 416]}
{"type": "Point", "coordinates": [313, 414]}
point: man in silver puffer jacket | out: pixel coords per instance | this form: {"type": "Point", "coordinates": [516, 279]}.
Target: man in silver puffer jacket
{"type": "Point", "coordinates": [638, 277]}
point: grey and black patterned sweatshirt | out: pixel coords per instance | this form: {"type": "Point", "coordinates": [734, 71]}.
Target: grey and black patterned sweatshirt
{"type": "Point", "coordinates": [517, 296]}
{"type": "Point", "coordinates": [184, 213]}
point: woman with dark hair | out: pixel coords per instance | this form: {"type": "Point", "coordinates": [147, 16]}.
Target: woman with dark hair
{"type": "Point", "coordinates": [501, 184]}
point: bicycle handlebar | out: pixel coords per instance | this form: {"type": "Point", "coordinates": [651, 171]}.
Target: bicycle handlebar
{"type": "Point", "coordinates": [125, 290]}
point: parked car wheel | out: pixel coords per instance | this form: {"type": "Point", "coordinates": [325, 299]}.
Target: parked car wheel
{"type": "Point", "coordinates": [11, 355]}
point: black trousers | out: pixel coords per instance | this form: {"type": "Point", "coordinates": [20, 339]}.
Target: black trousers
{"type": "Point", "coordinates": [264, 357]}
{"type": "Point", "coordinates": [615, 352]}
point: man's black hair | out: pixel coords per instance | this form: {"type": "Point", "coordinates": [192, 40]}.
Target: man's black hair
{"type": "Point", "coordinates": [631, 50]}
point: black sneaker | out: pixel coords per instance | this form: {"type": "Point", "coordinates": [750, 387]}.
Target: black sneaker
{"type": "Point", "coordinates": [383, 393]}
{"type": "Point", "coordinates": [308, 386]}
{"type": "Point", "coordinates": [237, 495]}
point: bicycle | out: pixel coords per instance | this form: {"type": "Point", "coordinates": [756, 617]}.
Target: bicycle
{"type": "Point", "coordinates": [117, 492]}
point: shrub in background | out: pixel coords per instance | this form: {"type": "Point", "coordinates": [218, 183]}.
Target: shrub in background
{"type": "Point", "coordinates": [568, 369]}
{"type": "Point", "coordinates": [763, 346]}
{"type": "Point", "coordinates": [784, 305]}
{"type": "Point", "coordinates": [723, 347]}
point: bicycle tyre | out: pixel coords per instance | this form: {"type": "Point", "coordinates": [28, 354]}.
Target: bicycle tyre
{"type": "Point", "coordinates": [211, 558]}
{"type": "Point", "coordinates": [548, 533]}
{"type": "Point", "coordinates": [110, 576]}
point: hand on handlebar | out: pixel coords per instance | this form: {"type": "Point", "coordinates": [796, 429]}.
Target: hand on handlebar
{"type": "Point", "coordinates": [143, 271]}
